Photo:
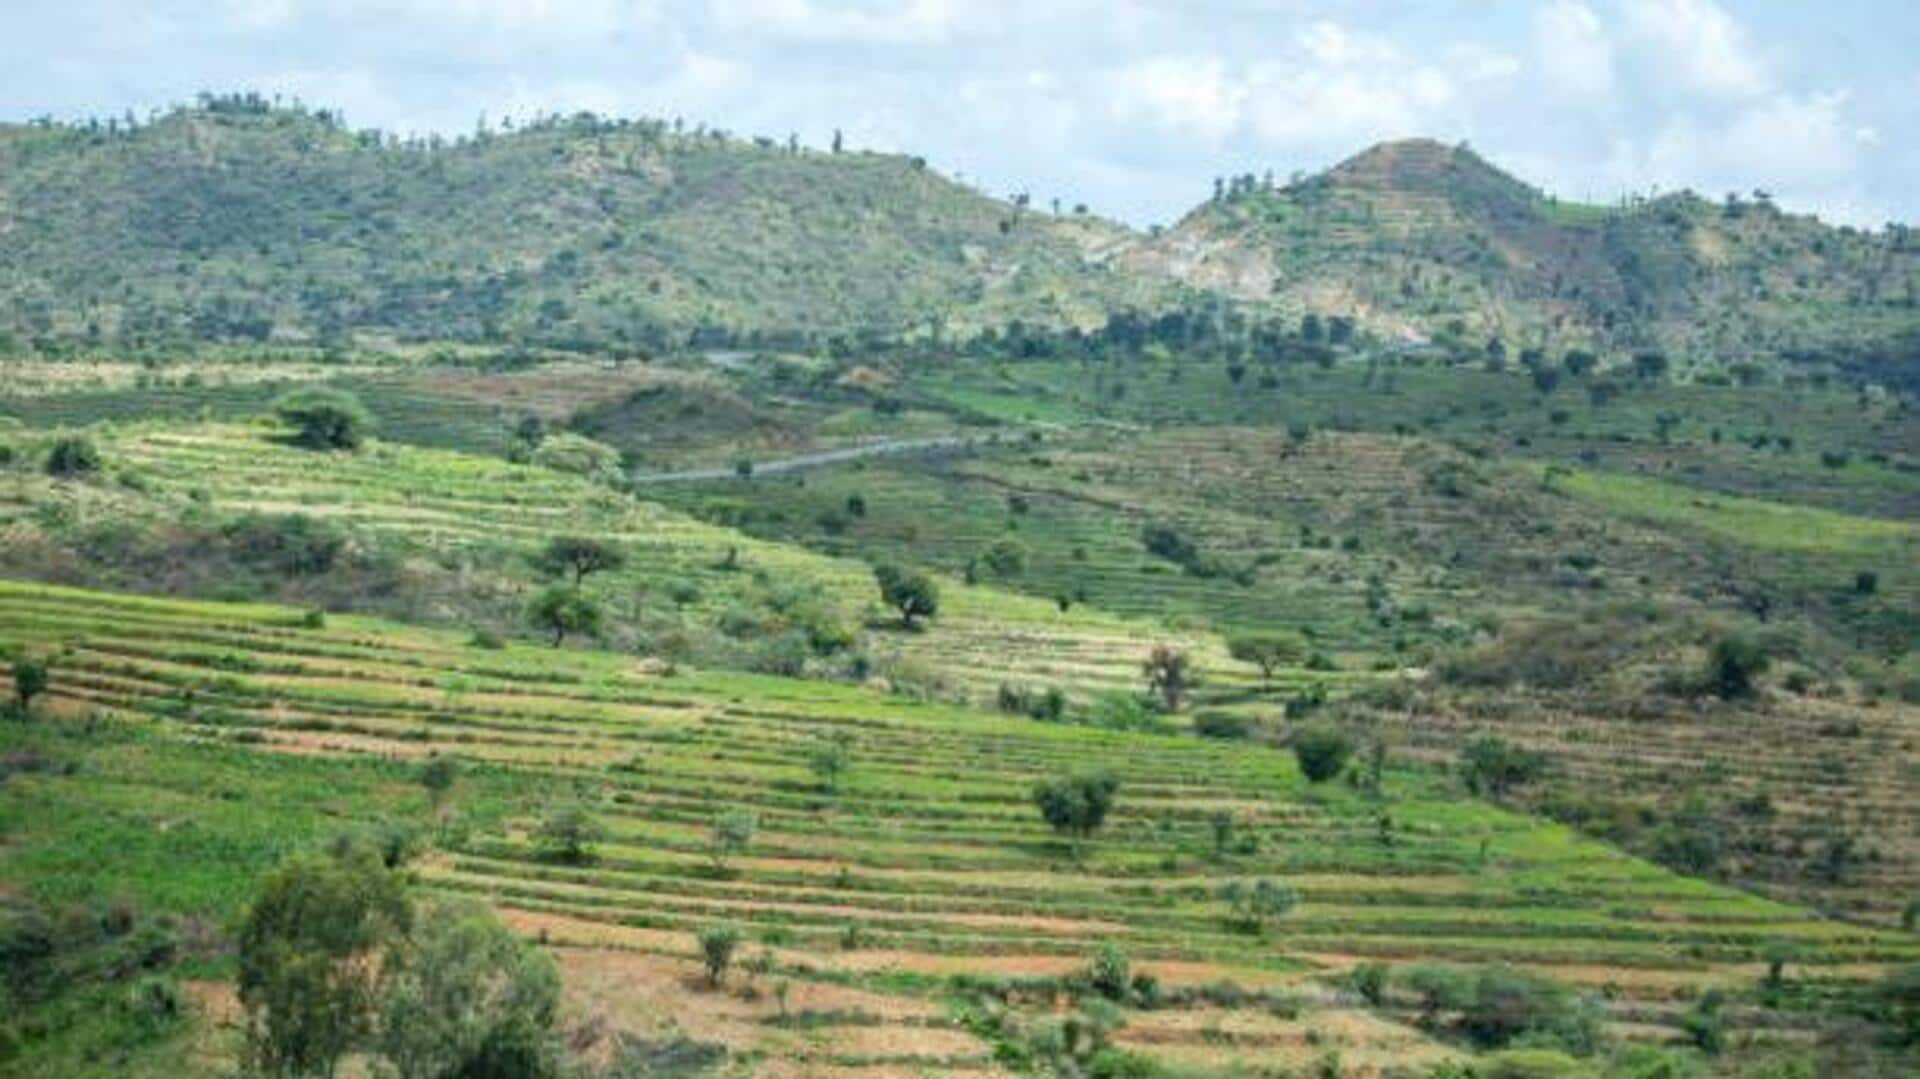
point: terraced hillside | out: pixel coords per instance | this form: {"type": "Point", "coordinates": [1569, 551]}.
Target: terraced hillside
{"type": "Point", "coordinates": [470, 522]}
{"type": "Point", "coordinates": [923, 861]}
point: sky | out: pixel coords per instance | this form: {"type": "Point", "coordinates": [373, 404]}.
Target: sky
{"type": "Point", "coordinates": [1131, 107]}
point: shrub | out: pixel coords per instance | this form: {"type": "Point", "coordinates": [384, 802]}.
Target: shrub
{"type": "Point", "coordinates": [830, 760]}
{"type": "Point", "coordinates": [1109, 973]}
{"type": "Point", "coordinates": [1733, 664]}
{"type": "Point", "coordinates": [464, 995]}
{"type": "Point", "coordinates": [324, 419]}
{"type": "Point", "coordinates": [1491, 766]}
{"type": "Point", "coordinates": [1223, 725]}
{"type": "Point", "coordinates": [732, 835]}
{"type": "Point", "coordinates": [1253, 905]}
{"type": "Point", "coordinates": [579, 456]}
{"type": "Point", "coordinates": [1370, 981]}
{"type": "Point", "coordinates": [30, 680]}
{"type": "Point", "coordinates": [292, 544]}
{"type": "Point", "coordinates": [437, 777]}
{"type": "Point", "coordinates": [717, 945]}
{"type": "Point", "coordinates": [73, 456]}
{"type": "Point", "coordinates": [567, 834]}
{"type": "Point", "coordinates": [1322, 750]}
{"type": "Point", "coordinates": [1006, 558]}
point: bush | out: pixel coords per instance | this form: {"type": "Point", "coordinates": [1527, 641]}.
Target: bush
{"type": "Point", "coordinates": [1370, 981]}
{"type": "Point", "coordinates": [464, 995]}
{"type": "Point", "coordinates": [1733, 664]}
{"type": "Point", "coordinates": [73, 456]}
{"type": "Point", "coordinates": [291, 545]}
{"type": "Point", "coordinates": [30, 680]}
{"type": "Point", "coordinates": [1223, 725]}
{"type": "Point", "coordinates": [578, 455]}
{"type": "Point", "coordinates": [1252, 905]}
{"type": "Point", "coordinates": [717, 945]}
{"type": "Point", "coordinates": [1491, 766]}
{"type": "Point", "coordinates": [567, 834]}
{"type": "Point", "coordinates": [1322, 750]}
{"type": "Point", "coordinates": [324, 419]}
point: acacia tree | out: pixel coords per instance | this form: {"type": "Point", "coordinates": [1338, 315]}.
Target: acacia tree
{"type": "Point", "coordinates": [910, 592]}
{"type": "Point", "coordinates": [562, 611]}
{"type": "Point", "coordinates": [325, 419]}
{"type": "Point", "coordinates": [1169, 675]}
{"type": "Point", "coordinates": [577, 557]}
{"type": "Point", "coordinates": [1268, 650]}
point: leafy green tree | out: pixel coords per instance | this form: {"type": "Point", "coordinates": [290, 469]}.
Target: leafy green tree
{"type": "Point", "coordinates": [437, 776]}
{"type": "Point", "coordinates": [830, 760]}
{"type": "Point", "coordinates": [324, 419]}
{"type": "Point", "coordinates": [464, 996]}
{"type": "Point", "coordinates": [732, 835]}
{"type": "Point", "coordinates": [1253, 905]}
{"type": "Point", "coordinates": [577, 557]}
{"type": "Point", "coordinates": [307, 951]}
{"type": "Point", "coordinates": [717, 945]}
{"type": "Point", "coordinates": [1322, 750]}
{"type": "Point", "coordinates": [578, 455]}
{"type": "Point", "coordinates": [567, 834]}
{"type": "Point", "coordinates": [73, 456]}
{"type": "Point", "coordinates": [562, 611]}
{"type": "Point", "coordinates": [910, 592]}
{"type": "Point", "coordinates": [1269, 650]}
{"type": "Point", "coordinates": [1076, 805]}
{"type": "Point", "coordinates": [30, 680]}
{"type": "Point", "coordinates": [1170, 674]}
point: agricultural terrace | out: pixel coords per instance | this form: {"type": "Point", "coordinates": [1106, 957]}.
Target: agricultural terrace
{"type": "Point", "coordinates": [194, 729]}
{"type": "Point", "coordinates": [483, 516]}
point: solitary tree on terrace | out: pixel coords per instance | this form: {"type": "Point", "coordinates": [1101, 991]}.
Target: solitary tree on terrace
{"type": "Point", "coordinates": [30, 679]}
{"type": "Point", "coordinates": [325, 419]}
{"type": "Point", "coordinates": [1269, 650]}
{"type": "Point", "coordinates": [577, 557]}
{"type": "Point", "coordinates": [563, 611]}
{"type": "Point", "coordinates": [910, 592]}
{"type": "Point", "coordinates": [1076, 805]}
{"type": "Point", "coordinates": [1169, 675]}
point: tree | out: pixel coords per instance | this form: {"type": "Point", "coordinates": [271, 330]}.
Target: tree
{"type": "Point", "coordinates": [577, 556]}
{"type": "Point", "coordinates": [30, 679]}
{"type": "Point", "coordinates": [830, 760]}
{"type": "Point", "coordinates": [324, 419]}
{"type": "Point", "coordinates": [1253, 905]}
{"type": "Point", "coordinates": [1648, 366]}
{"type": "Point", "coordinates": [910, 592]}
{"type": "Point", "coordinates": [578, 455]}
{"type": "Point", "coordinates": [1733, 664]}
{"type": "Point", "coordinates": [732, 834]}
{"type": "Point", "coordinates": [308, 948]}
{"type": "Point", "coordinates": [465, 996]}
{"type": "Point", "coordinates": [1076, 805]}
{"type": "Point", "coordinates": [562, 611]}
{"type": "Point", "coordinates": [717, 945]}
{"type": "Point", "coordinates": [1322, 751]}
{"type": "Point", "coordinates": [73, 456]}
{"type": "Point", "coordinates": [1899, 995]}
{"type": "Point", "coordinates": [437, 776]}
{"type": "Point", "coordinates": [567, 834]}
{"type": "Point", "coordinates": [1169, 675]}
{"type": "Point", "coordinates": [1269, 650]}
{"type": "Point", "coordinates": [1492, 766]}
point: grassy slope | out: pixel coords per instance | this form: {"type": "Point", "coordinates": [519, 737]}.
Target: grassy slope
{"type": "Point", "coordinates": [252, 735]}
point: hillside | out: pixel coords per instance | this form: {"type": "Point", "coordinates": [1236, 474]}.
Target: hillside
{"type": "Point", "coordinates": [239, 221]}
{"type": "Point", "coordinates": [1427, 241]}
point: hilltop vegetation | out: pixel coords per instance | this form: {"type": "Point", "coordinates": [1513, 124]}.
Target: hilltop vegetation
{"type": "Point", "coordinates": [239, 221]}
{"type": "Point", "coordinates": [1430, 241]}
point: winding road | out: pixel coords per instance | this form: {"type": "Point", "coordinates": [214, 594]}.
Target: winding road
{"type": "Point", "coordinates": [877, 448]}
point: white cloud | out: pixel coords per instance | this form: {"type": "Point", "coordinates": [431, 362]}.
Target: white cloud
{"type": "Point", "coordinates": [1700, 43]}
{"type": "Point", "coordinates": [917, 22]}
{"type": "Point", "coordinates": [1573, 50]}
